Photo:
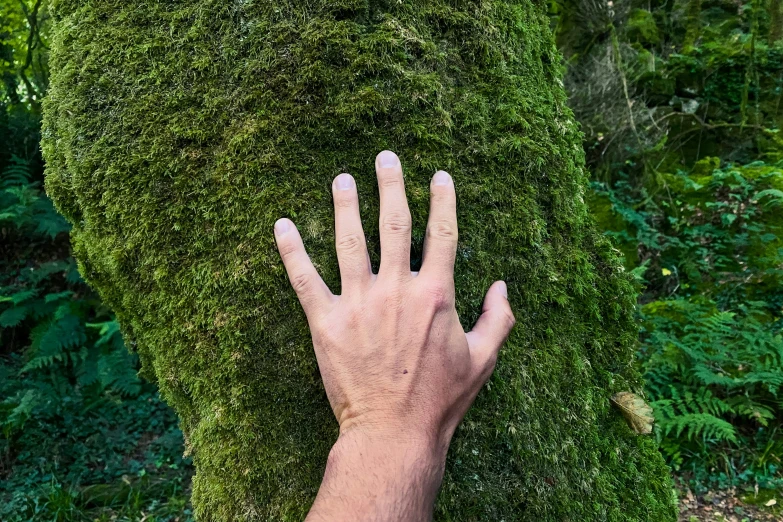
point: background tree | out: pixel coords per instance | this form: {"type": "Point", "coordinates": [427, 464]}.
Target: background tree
{"type": "Point", "coordinates": [175, 134]}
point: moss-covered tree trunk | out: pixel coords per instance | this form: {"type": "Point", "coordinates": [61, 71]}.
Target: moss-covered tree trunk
{"type": "Point", "coordinates": [176, 133]}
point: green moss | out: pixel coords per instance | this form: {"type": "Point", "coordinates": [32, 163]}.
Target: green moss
{"type": "Point", "coordinates": [641, 26]}
{"type": "Point", "coordinates": [176, 133]}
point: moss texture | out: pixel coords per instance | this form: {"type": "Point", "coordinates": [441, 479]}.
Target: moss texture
{"type": "Point", "coordinates": [177, 132]}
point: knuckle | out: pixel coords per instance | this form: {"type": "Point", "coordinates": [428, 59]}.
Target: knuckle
{"type": "Point", "coordinates": [302, 283]}
{"type": "Point", "coordinates": [353, 319]}
{"type": "Point", "coordinates": [390, 180]}
{"type": "Point", "coordinates": [349, 243]}
{"type": "Point", "coordinates": [438, 295]}
{"type": "Point", "coordinates": [508, 317]}
{"type": "Point", "coordinates": [397, 222]}
{"type": "Point", "coordinates": [443, 194]}
{"type": "Point", "coordinates": [320, 328]}
{"type": "Point", "coordinates": [443, 229]}
{"type": "Point", "coordinates": [287, 249]}
{"type": "Point", "coordinates": [393, 298]}
{"type": "Point", "coordinates": [330, 336]}
{"type": "Point", "coordinates": [344, 201]}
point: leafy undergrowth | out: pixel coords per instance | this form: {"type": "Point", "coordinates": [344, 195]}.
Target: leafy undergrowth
{"type": "Point", "coordinates": [72, 452]}
{"type": "Point", "coordinates": [104, 459]}
{"type": "Point", "coordinates": [81, 436]}
{"type": "Point", "coordinates": [707, 251]}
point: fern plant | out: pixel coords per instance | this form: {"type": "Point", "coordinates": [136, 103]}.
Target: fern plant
{"type": "Point", "coordinates": [70, 343]}
{"type": "Point", "coordinates": [23, 205]}
{"type": "Point", "coordinates": [74, 417]}
{"type": "Point", "coordinates": [707, 249]}
{"type": "Point", "coordinates": [715, 376]}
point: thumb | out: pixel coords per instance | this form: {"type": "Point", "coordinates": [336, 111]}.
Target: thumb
{"type": "Point", "coordinates": [491, 329]}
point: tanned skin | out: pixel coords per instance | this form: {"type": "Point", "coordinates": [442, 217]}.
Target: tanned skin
{"type": "Point", "coordinates": [399, 370]}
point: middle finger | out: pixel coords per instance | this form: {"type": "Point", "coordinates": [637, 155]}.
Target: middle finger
{"type": "Point", "coordinates": [395, 217]}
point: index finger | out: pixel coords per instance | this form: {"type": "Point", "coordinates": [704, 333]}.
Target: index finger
{"type": "Point", "coordinates": [313, 293]}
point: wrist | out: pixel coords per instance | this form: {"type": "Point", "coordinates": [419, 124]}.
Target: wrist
{"type": "Point", "coordinates": [426, 436]}
{"type": "Point", "coordinates": [399, 445]}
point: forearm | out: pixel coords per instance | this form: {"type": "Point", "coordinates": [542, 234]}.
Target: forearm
{"type": "Point", "coordinates": [379, 481]}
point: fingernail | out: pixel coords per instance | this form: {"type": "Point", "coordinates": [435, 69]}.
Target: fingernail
{"type": "Point", "coordinates": [441, 178]}
{"type": "Point", "coordinates": [503, 289]}
{"type": "Point", "coordinates": [282, 226]}
{"type": "Point", "coordinates": [344, 182]}
{"type": "Point", "coordinates": [387, 159]}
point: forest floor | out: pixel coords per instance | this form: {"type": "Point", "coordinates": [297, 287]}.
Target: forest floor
{"type": "Point", "coordinates": [731, 505]}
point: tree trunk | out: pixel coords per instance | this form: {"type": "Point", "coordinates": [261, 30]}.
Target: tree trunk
{"type": "Point", "coordinates": [176, 133]}
{"type": "Point", "coordinates": [692, 25]}
{"type": "Point", "coordinates": [775, 22]}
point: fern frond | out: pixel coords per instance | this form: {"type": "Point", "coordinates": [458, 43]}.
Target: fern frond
{"type": "Point", "coordinates": [17, 173]}
{"type": "Point", "coordinates": [13, 316]}
{"type": "Point", "coordinates": [704, 426]}
{"type": "Point", "coordinates": [51, 338]}
{"type": "Point", "coordinates": [19, 297]}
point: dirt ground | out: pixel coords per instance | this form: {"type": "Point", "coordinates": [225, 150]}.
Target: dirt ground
{"type": "Point", "coordinates": [732, 506]}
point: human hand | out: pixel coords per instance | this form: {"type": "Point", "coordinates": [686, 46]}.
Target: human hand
{"type": "Point", "coordinates": [397, 366]}
{"type": "Point", "coordinates": [392, 353]}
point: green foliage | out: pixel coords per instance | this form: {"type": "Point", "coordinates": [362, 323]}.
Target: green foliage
{"type": "Point", "coordinates": [710, 256]}
{"type": "Point", "coordinates": [657, 86]}
{"type": "Point", "coordinates": [690, 86]}
{"type": "Point", "coordinates": [24, 68]}
{"type": "Point", "coordinates": [109, 459]}
{"type": "Point", "coordinates": [716, 232]}
{"type": "Point", "coordinates": [87, 458]}
{"type": "Point", "coordinates": [23, 205]}
{"type": "Point", "coordinates": [177, 133]}
{"type": "Point", "coordinates": [81, 437]}
{"type": "Point", "coordinates": [40, 296]}
{"type": "Point", "coordinates": [642, 26]}
{"type": "Point", "coordinates": [715, 378]}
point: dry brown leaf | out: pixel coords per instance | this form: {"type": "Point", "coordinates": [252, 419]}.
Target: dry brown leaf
{"type": "Point", "coordinates": [636, 411]}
